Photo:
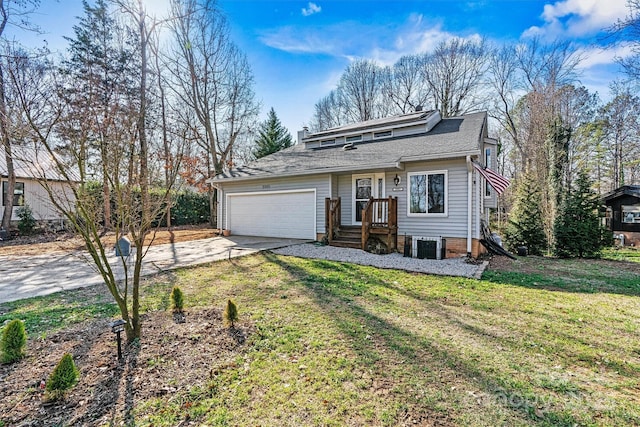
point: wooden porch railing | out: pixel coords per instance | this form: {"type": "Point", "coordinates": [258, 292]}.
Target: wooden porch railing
{"type": "Point", "coordinates": [380, 216]}
{"type": "Point", "coordinates": [332, 215]}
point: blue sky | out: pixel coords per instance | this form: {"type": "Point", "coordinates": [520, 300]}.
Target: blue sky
{"type": "Point", "coordinates": [298, 49]}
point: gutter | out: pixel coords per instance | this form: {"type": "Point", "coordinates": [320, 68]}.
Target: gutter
{"type": "Point", "coordinates": [397, 165]}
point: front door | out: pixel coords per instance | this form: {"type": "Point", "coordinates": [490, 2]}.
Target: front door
{"type": "Point", "coordinates": [365, 186]}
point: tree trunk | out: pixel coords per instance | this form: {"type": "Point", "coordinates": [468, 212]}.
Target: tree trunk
{"type": "Point", "coordinates": [6, 143]}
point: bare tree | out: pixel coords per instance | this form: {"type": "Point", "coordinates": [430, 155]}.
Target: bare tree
{"type": "Point", "coordinates": [360, 91]}
{"type": "Point", "coordinates": [621, 126]}
{"type": "Point", "coordinates": [213, 79]}
{"type": "Point", "coordinates": [454, 73]}
{"type": "Point", "coordinates": [404, 84]}
{"type": "Point", "coordinates": [627, 30]}
{"type": "Point", "coordinates": [96, 87]}
{"type": "Point", "coordinates": [16, 13]}
{"type": "Point", "coordinates": [328, 113]}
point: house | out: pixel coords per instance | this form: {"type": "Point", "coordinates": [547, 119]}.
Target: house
{"type": "Point", "coordinates": [32, 166]}
{"type": "Point", "coordinates": [623, 214]}
{"type": "Point", "coordinates": [408, 176]}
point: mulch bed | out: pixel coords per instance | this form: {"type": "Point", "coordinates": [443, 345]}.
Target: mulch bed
{"type": "Point", "coordinates": [171, 357]}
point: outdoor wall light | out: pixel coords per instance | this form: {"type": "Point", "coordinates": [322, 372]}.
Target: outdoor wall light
{"type": "Point", "coordinates": [396, 180]}
{"type": "Point", "coordinates": [117, 326]}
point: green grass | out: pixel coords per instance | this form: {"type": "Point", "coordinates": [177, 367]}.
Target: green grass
{"type": "Point", "coordinates": [47, 314]}
{"type": "Point", "coordinates": [622, 254]}
{"type": "Point", "coordinates": [339, 344]}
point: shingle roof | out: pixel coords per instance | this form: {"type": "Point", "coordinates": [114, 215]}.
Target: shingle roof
{"type": "Point", "coordinates": [625, 190]}
{"type": "Point", "coordinates": [451, 137]}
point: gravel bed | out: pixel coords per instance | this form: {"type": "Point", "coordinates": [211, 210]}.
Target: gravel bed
{"type": "Point", "coordinates": [445, 267]}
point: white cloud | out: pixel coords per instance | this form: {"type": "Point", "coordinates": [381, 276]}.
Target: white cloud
{"type": "Point", "coordinates": [596, 56]}
{"type": "Point", "coordinates": [576, 18]}
{"type": "Point", "coordinates": [383, 43]}
{"type": "Point", "coordinates": [311, 9]}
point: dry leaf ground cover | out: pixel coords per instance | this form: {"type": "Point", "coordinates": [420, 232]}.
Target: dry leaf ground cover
{"type": "Point", "coordinates": [330, 343]}
{"type": "Point", "coordinates": [38, 244]}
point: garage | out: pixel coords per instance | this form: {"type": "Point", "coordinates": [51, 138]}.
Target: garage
{"type": "Point", "coordinates": [287, 214]}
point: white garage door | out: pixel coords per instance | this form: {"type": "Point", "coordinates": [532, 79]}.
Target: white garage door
{"type": "Point", "coordinates": [290, 214]}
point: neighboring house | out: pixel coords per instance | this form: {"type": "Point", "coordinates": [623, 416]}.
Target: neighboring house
{"type": "Point", "coordinates": [623, 214]}
{"type": "Point", "coordinates": [31, 166]}
{"type": "Point", "coordinates": [386, 178]}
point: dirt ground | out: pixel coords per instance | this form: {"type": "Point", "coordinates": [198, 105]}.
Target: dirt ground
{"type": "Point", "coordinates": [105, 394]}
{"type": "Point", "coordinates": [554, 266]}
{"type": "Point", "coordinates": [198, 347]}
{"type": "Point", "coordinates": [65, 242]}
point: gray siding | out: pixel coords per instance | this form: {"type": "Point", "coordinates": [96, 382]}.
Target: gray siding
{"type": "Point", "coordinates": [344, 192]}
{"type": "Point", "coordinates": [321, 183]}
{"type": "Point", "coordinates": [453, 225]}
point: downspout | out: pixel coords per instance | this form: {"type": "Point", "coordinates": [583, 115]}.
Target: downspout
{"type": "Point", "coordinates": [469, 205]}
{"type": "Point", "coordinates": [219, 207]}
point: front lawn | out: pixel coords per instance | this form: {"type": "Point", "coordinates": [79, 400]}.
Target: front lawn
{"type": "Point", "coordinates": [332, 343]}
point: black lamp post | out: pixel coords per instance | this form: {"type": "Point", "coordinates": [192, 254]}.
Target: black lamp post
{"type": "Point", "coordinates": [117, 327]}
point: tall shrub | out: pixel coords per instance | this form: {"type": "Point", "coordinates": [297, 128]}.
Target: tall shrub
{"type": "Point", "coordinates": [14, 341]}
{"type": "Point", "coordinates": [526, 227]}
{"type": "Point", "coordinates": [26, 221]}
{"type": "Point", "coordinates": [190, 208]}
{"type": "Point", "coordinates": [230, 314]}
{"type": "Point", "coordinates": [177, 300]}
{"type": "Point", "coordinates": [64, 376]}
{"type": "Point", "coordinates": [577, 230]}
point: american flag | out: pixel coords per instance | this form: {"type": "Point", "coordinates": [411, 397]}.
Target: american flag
{"type": "Point", "coordinates": [497, 181]}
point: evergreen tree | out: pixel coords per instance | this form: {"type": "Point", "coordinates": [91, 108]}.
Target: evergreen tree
{"type": "Point", "coordinates": [577, 230]}
{"type": "Point", "coordinates": [273, 137]}
{"type": "Point", "coordinates": [526, 227]}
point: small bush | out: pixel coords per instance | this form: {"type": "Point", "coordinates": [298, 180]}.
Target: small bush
{"type": "Point", "coordinates": [177, 300]}
{"type": "Point", "coordinates": [64, 377]}
{"type": "Point", "coordinates": [14, 341]}
{"type": "Point", "coordinates": [230, 314]}
{"type": "Point", "coordinates": [26, 222]}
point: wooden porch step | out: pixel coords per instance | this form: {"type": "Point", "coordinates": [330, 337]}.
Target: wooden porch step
{"type": "Point", "coordinates": [346, 244]}
{"type": "Point", "coordinates": [348, 237]}
{"type": "Point", "coordinates": [354, 233]}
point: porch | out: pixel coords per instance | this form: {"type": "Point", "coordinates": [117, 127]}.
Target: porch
{"type": "Point", "coordinates": [377, 233]}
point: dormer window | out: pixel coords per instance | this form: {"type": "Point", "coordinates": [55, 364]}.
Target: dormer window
{"type": "Point", "coordinates": [327, 142]}
{"type": "Point", "coordinates": [354, 138]}
{"type": "Point", "coordinates": [382, 134]}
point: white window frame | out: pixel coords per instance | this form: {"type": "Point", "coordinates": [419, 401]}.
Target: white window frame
{"type": "Point", "coordinates": [446, 194]}
{"type": "Point", "coordinates": [488, 162]}
{"type": "Point", "coordinates": [374, 190]}
{"type": "Point", "coordinates": [376, 134]}
{"type": "Point", "coordinates": [633, 210]}
{"type": "Point", "coordinates": [353, 138]}
{"type": "Point", "coordinates": [327, 142]}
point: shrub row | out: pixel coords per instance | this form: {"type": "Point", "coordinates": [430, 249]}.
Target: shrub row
{"type": "Point", "coordinates": [187, 207]}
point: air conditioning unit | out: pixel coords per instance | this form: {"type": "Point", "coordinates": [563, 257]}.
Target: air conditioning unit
{"type": "Point", "coordinates": [424, 247]}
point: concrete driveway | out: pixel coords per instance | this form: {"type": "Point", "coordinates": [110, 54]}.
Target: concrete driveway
{"type": "Point", "coordinates": [30, 276]}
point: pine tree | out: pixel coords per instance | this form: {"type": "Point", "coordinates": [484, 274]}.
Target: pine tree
{"type": "Point", "coordinates": [177, 299]}
{"type": "Point", "coordinates": [273, 136]}
{"type": "Point", "coordinates": [230, 314]}
{"type": "Point", "coordinates": [64, 376]}
{"type": "Point", "coordinates": [13, 342]}
{"type": "Point", "coordinates": [578, 231]}
{"type": "Point", "coordinates": [526, 227]}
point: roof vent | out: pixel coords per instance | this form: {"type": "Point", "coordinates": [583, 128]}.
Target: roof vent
{"type": "Point", "coordinates": [349, 146]}
{"type": "Point", "coordinates": [418, 108]}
